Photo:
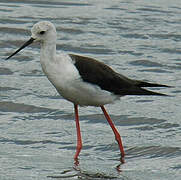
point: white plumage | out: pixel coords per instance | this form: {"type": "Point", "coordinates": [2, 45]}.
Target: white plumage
{"type": "Point", "coordinates": [62, 73]}
{"type": "Point", "coordinates": [83, 81]}
{"type": "Point", "coordinates": [66, 79]}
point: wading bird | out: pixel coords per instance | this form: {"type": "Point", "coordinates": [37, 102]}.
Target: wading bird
{"type": "Point", "coordinates": [82, 80]}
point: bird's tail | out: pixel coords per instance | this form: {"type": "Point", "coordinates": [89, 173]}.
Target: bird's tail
{"type": "Point", "coordinates": [146, 84]}
{"type": "Point", "coordinates": [143, 91]}
{"type": "Point", "coordinates": [136, 90]}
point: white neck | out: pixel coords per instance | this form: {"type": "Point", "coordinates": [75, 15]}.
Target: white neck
{"type": "Point", "coordinates": [48, 51]}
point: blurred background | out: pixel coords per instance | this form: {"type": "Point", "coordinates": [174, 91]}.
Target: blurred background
{"type": "Point", "coordinates": [140, 39]}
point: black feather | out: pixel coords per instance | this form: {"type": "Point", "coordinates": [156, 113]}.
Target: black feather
{"type": "Point", "coordinates": [95, 72]}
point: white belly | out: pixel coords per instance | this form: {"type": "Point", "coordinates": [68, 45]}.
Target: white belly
{"type": "Point", "coordinates": [66, 79]}
{"type": "Point", "coordinates": [85, 94]}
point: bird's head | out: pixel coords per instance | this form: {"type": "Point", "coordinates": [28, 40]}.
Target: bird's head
{"type": "Point", "coordinates": [43, 32]}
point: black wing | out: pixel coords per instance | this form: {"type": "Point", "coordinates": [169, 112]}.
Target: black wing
{"type": "Point", "coordinates": [95, 72]}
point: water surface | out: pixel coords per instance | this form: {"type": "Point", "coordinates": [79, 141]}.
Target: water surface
{"type": "Point", "coordinates": [139, 39]}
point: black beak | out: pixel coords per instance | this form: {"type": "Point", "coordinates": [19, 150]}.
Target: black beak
{"type": "Point", "coordinates": [22, 47]}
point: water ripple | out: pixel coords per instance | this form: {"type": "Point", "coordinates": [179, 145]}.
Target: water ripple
{"type": "Point", "coordinates": [134, 36]}
{"type": "Point", "coordinates": [154, 152]}
{"type": "Point", "coordinates": [5, 71]}
{"type": "Point", "coordinates": [145, 63]}
{"type": "Point", "coordinates": [8, 106]}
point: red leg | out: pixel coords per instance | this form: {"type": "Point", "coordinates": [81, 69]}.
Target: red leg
{"type": "Point", "coordinates": [116, 133]}
{"type": "Point", "coordinates": [79, 139]}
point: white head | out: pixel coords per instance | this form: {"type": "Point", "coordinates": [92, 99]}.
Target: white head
{"type": "Point", "coordinates": [43, 32]}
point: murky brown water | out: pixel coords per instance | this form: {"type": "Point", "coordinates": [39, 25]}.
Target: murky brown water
{"type": "Point", "coordinates": [139, 39]}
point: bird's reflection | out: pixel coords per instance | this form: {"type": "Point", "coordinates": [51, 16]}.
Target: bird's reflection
{"type": "Point", "coordinates": [76, 171]}
{"type": "Point", "coordinates": [76, 163]}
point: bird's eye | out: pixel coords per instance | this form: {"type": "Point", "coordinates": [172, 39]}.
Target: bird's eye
{"type": "Point", "coordinates": [42, 32]}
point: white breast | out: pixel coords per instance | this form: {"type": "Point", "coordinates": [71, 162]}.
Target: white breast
{"type": "Point", "coordinates": [66, 79]}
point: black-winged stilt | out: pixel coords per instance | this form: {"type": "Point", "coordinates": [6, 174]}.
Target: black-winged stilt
{"type": "Point", "coordinates": [82, 80]}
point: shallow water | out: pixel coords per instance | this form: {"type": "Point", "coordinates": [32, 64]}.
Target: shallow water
{"type": "Point", "coordinates": [139, 39]}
